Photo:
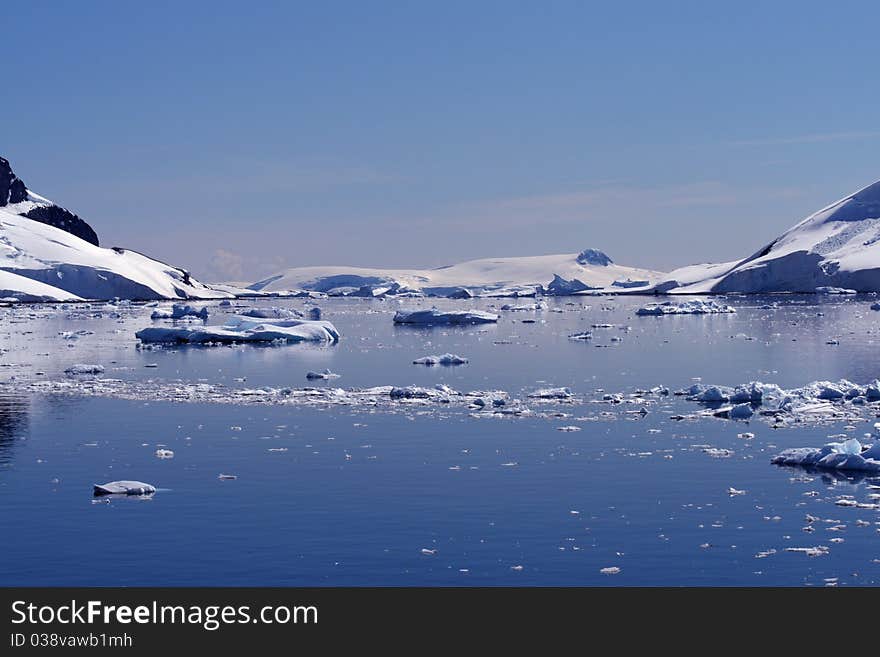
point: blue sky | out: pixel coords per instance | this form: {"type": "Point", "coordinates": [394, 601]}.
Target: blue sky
{"type": "Point", "coordinates": [238, 138]}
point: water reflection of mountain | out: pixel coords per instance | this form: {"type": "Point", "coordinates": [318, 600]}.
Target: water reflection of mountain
{"type": "Point", "coordinates": [14, 412]}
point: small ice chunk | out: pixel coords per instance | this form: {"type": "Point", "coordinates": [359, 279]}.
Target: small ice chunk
{"type": "Point", "coordinates": [326, 374]}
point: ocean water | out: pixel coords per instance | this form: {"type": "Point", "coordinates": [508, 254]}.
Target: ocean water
{"type": "Point", "coordinates": [430, 494]}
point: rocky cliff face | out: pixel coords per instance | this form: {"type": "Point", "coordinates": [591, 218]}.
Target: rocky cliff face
{"type": "Point", "coordinates": [13, 191]}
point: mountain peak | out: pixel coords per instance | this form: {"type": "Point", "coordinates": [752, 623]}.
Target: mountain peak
{"type": "Point", "coordinates": [12, 188]}
{"type": "Point", "coordinates": [13, 192]}
{"type": "Point", "coordinates": [594, 257]}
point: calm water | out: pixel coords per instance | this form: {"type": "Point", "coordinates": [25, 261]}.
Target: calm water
{"type": "Point", "coordinates": [358, 497]}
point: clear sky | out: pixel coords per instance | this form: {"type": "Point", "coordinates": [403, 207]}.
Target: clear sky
{"type": "Point", "coordinates": [238, 138]}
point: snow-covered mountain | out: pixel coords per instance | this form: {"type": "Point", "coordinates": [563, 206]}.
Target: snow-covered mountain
{"type": "Point", "coordinates": [49, 254]}
{"type": "Point", "coordinates": [551, 274]}
{"type": "Point", "coordinates": [838, 246]}
{"type": "Point", "coordinates": [15, 196]}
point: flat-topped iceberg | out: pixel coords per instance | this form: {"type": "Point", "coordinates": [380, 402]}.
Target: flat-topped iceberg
{"type": "Point", "coordinates": [244, 329]}
{"type": "Point", "coordinates": [434, 316]}
{"type": "Point", "coordinates": [274, 313]}
{"type": "Point", "coordinates": [690, 307]}
{"type": "Point", "coordinates": [847, 455]}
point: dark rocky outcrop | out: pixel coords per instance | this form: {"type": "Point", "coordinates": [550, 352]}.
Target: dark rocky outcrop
{"type": "Point", "coordinates": [65, 220]}
{"type": "Point", "coordinates": [13, 190]}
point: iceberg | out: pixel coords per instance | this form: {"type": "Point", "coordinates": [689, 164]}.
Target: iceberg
{"type": "Point", "coordinates": [691, 307]}
{"type": "Point", "coordinates": [445, 359]}
{"type": "Point", "coordinates": [179, 311]}
{"type": "Point", "coordinates": [276, 313]}
{"type": "Point", "coordinates": [124, 488]}
{"type": "Point", "coordinates": [82, 368]}
{"type": "Point", "coordinates": [243, 329]}
{"type": "Point", "coordinates": [847, 455]}
{"type": "Point", "coordinates": [321, 376]}
{"type": "Point", "coordinates": [439, 317]}
{"type": "Point", "coordinates": [562, 287]}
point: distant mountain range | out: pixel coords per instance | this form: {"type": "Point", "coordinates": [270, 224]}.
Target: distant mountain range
{"type": "Point", "coordinates": [48, 253]}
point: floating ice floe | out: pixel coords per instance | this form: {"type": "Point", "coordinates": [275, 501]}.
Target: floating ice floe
{"type": "Point", "coordinates": [551, 393]}
{"type": "Point", "coordinates": [691, 307]}
{"type": "Point", "coordinates": [434, 316]}
{"type": "Point", "coordinates": [83, 368]}
{"type": "Point", "coordinates": [445, 359]}
{"type": "Point", "coordinates": [124, 488]}
{"type": "Point", "coordinates": [326, 374]}
{"type": "Point", "coordinates": [179, 311]}
{"type": "Point", "coordinates": [829, 289]}
{"type": "Point", "coordinates": [847, 455]}
{"type": "Point", "coordinates": [273, 313]}
{"type": "Point", "coordinates": [243, 329]}
{"type": "Point", "coordinates": [538, 305]}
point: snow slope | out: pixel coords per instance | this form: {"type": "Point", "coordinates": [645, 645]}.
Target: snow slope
{"type": "Point", "coordinates": [483, 276]}
{"type": "Point", "coordinates": [47, 253]}
{"type": "Point", "coordinates": [839, 246]}
{"type": "Point", "coordinates": [72, 267]}
{"type": "Point", "coordinates": [20, 288]}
